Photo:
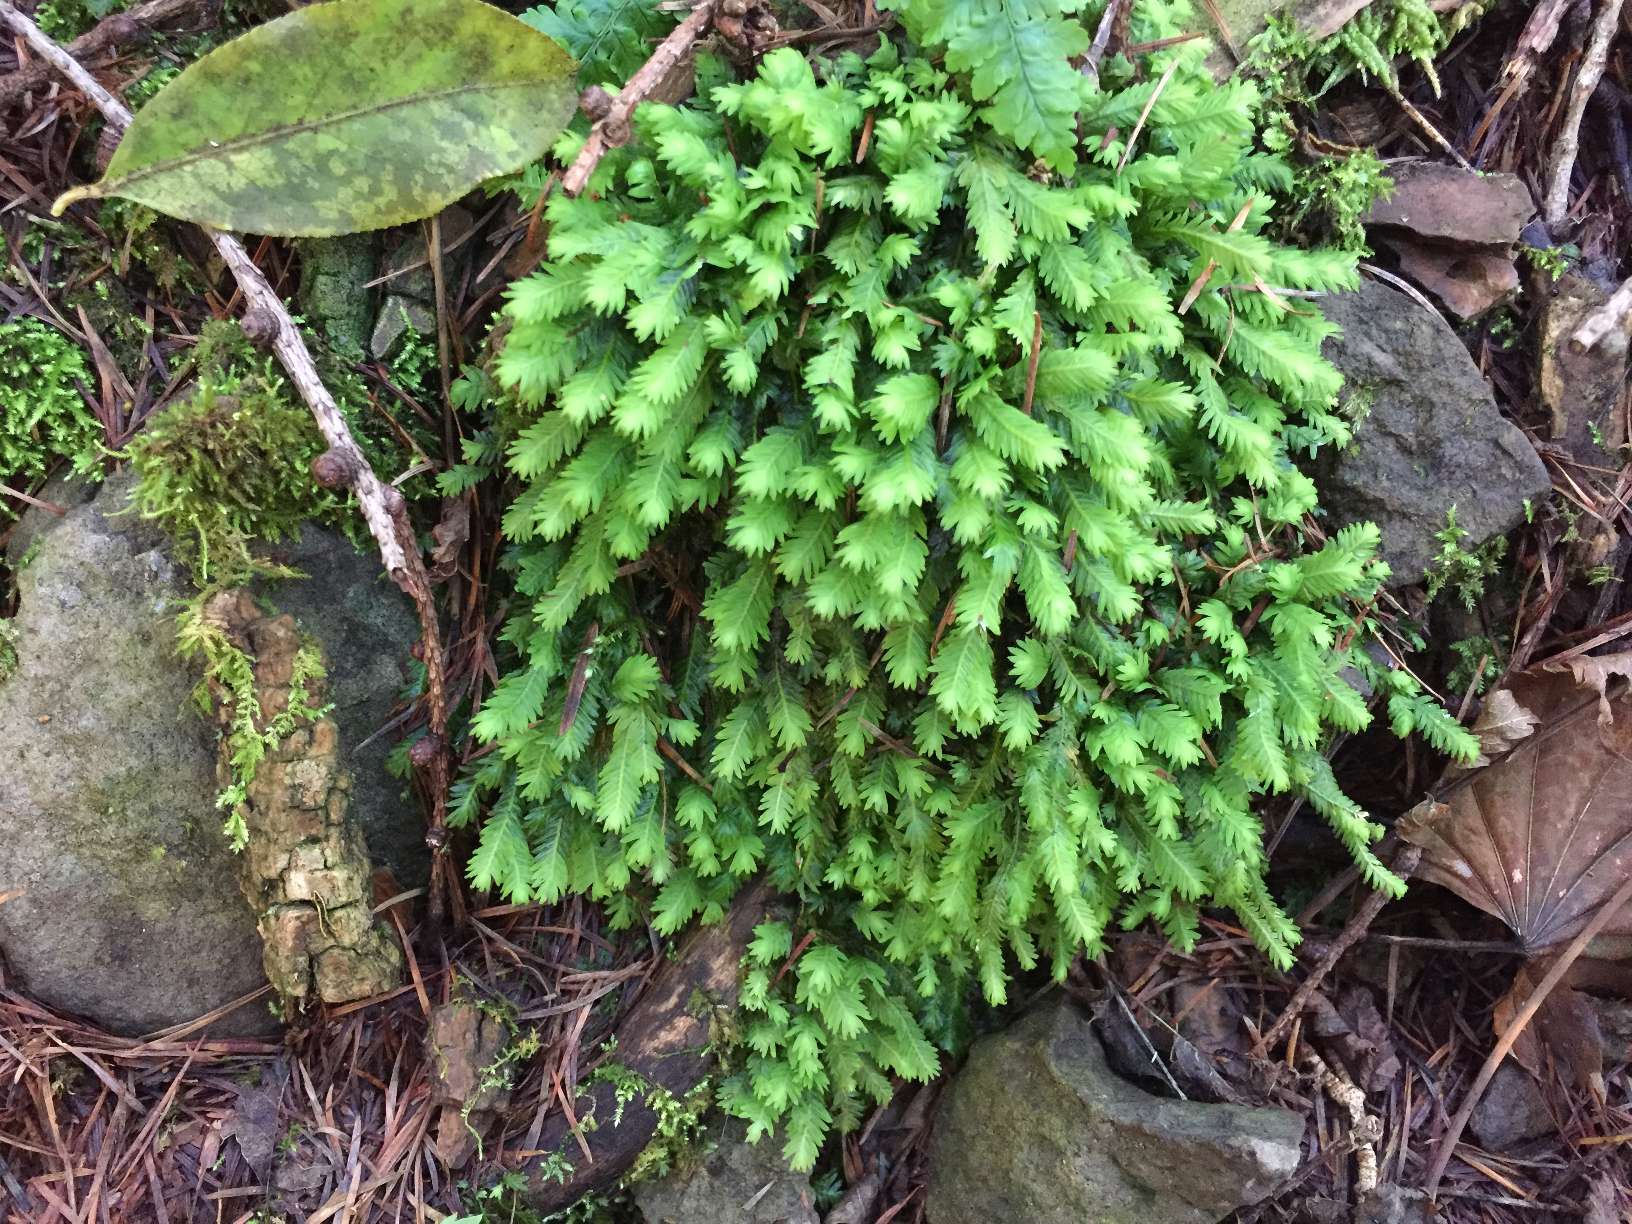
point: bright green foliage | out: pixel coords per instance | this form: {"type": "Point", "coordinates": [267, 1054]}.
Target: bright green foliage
{"type": "Point", "coordinates": [973, 667]}
{"type": "Point", "coordinates": [1370, 43]}
{"type": "Point", "coordinates": [44, 418]}
{"type": "Point", "coordinates": [229, 466]}
{"type": "Point", "coordinates": [610, 39]}
{"type": "Point", "coordinates": [343, 117]}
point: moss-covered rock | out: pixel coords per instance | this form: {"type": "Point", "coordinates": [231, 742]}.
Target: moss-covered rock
{"type": "Point", "coordinates": [130, 911]}
{"type": "Point", "coordinates": [1038, 1128]}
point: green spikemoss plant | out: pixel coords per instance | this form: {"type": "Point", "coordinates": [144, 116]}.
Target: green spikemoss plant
{"type": "Point", "coordinates": [44, 418]}
{"type": "Point", "coordinates": [885, 527]}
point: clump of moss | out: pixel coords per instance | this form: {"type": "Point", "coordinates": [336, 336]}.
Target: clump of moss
{"type": "Point", "coordinates": [229, 465]}
{"type": "Point", "coordinates": [44, 419]}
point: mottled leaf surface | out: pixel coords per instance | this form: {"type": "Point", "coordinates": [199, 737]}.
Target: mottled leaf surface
{"type": "Point", "coordinates": [345, 116]}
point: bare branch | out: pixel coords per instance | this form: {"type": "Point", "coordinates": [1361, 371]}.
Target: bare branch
{"type": "Point", "coordinates": [109, 34]}
{"type": "Point", "coordinates": [1609, 317]}
{"type": "Point", "coordinates": [612, 128]}
{"type": "Point", "coordinates": [1557, 205]}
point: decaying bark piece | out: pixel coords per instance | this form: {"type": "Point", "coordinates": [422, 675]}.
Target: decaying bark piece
{"type": "Point", "coordinates": [306, 870]}
{"type": "Point", "coordinates": [465, 1044]}
{"type": "Point", "coordinates": [666, 1040]}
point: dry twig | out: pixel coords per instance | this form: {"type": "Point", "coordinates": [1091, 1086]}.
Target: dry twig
{"type": "Point", "coordinates": [1447, 1146]}
{"type": "Point", "coordinates": [612, 128]}
{"type": "Point", "coordinates": [1353, 931]}
{"type": "Point", "coordinates": [109, 34]}
{"type": "Point", "coordinates": [1593, 59]}
{"type": "Point", "coordinates": [343, 465]}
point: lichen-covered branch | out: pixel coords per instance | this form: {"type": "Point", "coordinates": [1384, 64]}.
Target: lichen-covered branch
{"type": "Point", "coordinates": [612, 128]}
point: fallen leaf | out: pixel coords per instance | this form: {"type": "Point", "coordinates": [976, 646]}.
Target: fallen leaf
{"type": "Point", "coordinates": [254, 1124]}
{"type": "Point", "coordinates": [451, 534]}
{"type": "Point", "coordinates": [1501, 724]}
{"type": "Point", "coordinates": [338, 118]}
{"type": "Point", "coordinates": [1542, 837]}
{"type": "Point", "coordinates": [1564, 1032]}
{"type": "Point", "coordinates": [1597, 671]}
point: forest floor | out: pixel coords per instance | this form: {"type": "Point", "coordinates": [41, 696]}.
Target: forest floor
{"type": "Point", "coordinates": [1400, 1004]}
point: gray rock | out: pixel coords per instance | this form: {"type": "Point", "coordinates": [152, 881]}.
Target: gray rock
{"type": "Point", "coordinates": [399, 317]}
{"type": "Point", "coordinates": [1511, 1111]}
{"type": "Point", "coordinates": [1432, 437]}
{"type": "Point", "coordinates": [130, 912]}
{"type": "Point", "coordinates": [737, 1181]}
{"type": "Point", "coordinates": [410, 285]}
{"type": "Point", "coordinates": [334, 287]}
{"type": "Point", "coordinates": [1037, 1128]}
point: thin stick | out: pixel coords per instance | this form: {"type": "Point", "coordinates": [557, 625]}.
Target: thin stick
{"type": "Point", "coordinates": [1607, 318]}
{"type": "Point", "coordinates": [111, 33]}
{"type": "Point", "coordinates": [1608, 910]}
{"type": "Point", "coordinates": [382, 507]}
{"type": "Point", "coordinates": [1031, 362]}
{"type": "Point", "coordinates": [1102, 38]}
{"type": "Point", "coordinates": [612, 129]}
{"type": "Point", "coordinates": [1557, 204]}
{"type": "Point", "coordinates": [1353, 931]}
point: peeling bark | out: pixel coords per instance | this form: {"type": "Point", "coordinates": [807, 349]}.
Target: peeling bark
{"type": "Point", "coordinates": [306, 871]}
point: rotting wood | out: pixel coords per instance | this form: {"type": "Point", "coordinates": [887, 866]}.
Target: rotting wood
{"type": "Point", "coordinates": [666, 1041]}
{"type": "Point", "coordinates": [306, 872]}
{"type": "Point", "coordinates": [382, 506]}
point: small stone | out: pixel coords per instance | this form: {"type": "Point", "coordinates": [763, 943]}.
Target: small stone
{"type": "Point", "coordinates": [399, 317]}
{"type": "Point", "coordinates": [1429, 435]}
{"type": "Point", "coordinates": [742, 1182]}
{"type": "Point", "coordinates": [1469, 280]}
{"type": "Point", "coordinates": [1438, 201]}
{"type": "Point", "coordinates": [1036, 1127]}
{"type": "Point", "coordinates": [1511, 1111]}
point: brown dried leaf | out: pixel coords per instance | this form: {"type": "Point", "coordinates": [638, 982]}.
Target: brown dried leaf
{"type": "Point", "coordinates": [1543, 837]}
{"type": "Point", "coordinates": [451, 534]}
{"type": "Point", "coordinates": [1501, 724]}
{"type": "Point", "coordinates": [1564, 1032]}
{"type": "Point", "coordinates": [1597, 671]}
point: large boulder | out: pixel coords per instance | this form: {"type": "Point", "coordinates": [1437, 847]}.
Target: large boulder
{"type": "Point", "coordinates": [129, 910]}
{"type": "Point", "coordinates": [1431, 437]}
{"type": "Point", "coordinates": [1038, 1128]}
